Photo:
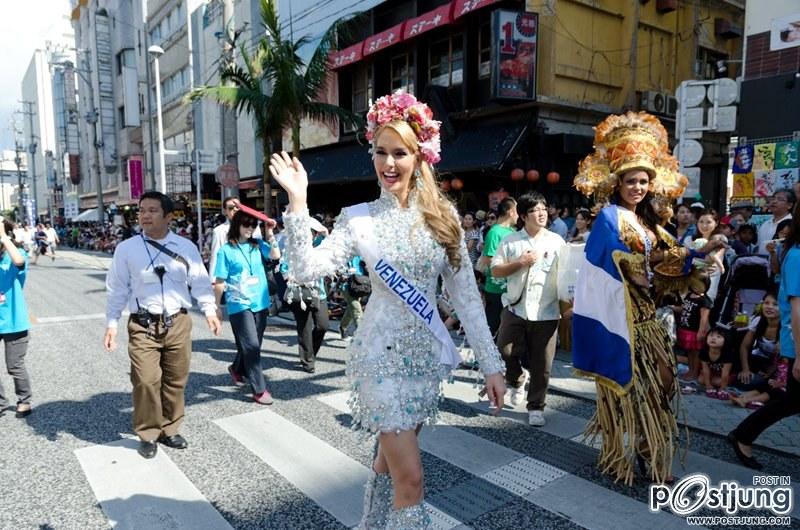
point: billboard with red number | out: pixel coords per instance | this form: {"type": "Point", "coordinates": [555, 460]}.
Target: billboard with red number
{"type": "Point", "coordinates": [514, 37]}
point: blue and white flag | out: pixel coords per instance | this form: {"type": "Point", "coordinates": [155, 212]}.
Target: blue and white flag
{"type": "Point", "coordinates": [601, 337]}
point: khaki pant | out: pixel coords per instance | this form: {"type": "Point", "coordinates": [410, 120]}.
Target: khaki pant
{"type": "Point", "coordinates": [159, 372]}
{"type": "Point", "coordinates": [531, 344]}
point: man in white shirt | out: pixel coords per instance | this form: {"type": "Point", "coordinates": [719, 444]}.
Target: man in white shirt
{"type": "Point", "coordinates": [230, 205]}
{"type": "Point", "coordinates": [52, 239]}
{"type": "Point", "coordinates": [152, 275]}
{"type": "Point", "coordinates": [528, 259]}
{"type": "Point", "coordinates": [557, 224]}
{"type": "Point", "coordinates": [780, 206]}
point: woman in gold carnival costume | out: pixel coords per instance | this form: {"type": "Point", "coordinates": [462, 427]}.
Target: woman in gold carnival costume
{"type": "Point", "coordinates": [617, 339]}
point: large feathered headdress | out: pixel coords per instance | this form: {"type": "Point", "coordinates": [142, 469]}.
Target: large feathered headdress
{"type": "Point", "coordinates": [634, 140]}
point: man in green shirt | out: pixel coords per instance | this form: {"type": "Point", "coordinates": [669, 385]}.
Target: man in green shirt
{"type": "Point", "coordinates": [495, 287]}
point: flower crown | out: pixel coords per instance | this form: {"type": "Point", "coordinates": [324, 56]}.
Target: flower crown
{"type": "Point", "coordinates": [402, 106]}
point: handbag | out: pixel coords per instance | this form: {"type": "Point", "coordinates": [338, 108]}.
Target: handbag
{"type": "Point", "coordinates": [303, 294]}
{"type": "Point", "coordinates": [359, 285]}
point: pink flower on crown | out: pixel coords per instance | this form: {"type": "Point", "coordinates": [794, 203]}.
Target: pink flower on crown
{"type": "Point", "coordinates": [403, 106]}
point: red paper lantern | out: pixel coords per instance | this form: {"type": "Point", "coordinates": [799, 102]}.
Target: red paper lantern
{"type": "Point", "coordinates": [456, 184]}
{"type": "Point", "coordinates": [553, 177]}
{"type": "Point", "coordinates": [517, 174]}
{"type": "Point", "coordinates": [445, 185]}
{"type": "Point", "coordinates": [532, 175]}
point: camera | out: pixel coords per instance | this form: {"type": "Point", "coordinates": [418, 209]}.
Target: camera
{"type": "Point", "coordinates": [143, 318]}
{"type": "Point", "coordinates": [160, 271]}
{"type": "Point", "coordinates": [167, 320]}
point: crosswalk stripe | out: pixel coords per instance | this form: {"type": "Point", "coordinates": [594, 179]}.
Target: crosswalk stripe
{"type": "Point", "coordinates": [606, 509]}
{"type": "Point", "coordinates": [561, 424]}
{"type": "Point", "coordinates": [327, 476]}
{"type": "Point", "coordinates": [154, 494]}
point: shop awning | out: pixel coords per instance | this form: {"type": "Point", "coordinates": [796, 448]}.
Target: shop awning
{"type": "Point", "coordinates": [482, 145]}
{"type": "Point", "coordinates": [339, 163]}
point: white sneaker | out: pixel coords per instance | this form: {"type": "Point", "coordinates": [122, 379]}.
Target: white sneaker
{"type": "Point", "coordinates": [517, 395]}
{"type": "Point", "coordinates": [536, 418]}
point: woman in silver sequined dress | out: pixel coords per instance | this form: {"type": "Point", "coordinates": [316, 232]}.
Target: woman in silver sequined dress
{"type": "Point", "coordinates": [394, 366]}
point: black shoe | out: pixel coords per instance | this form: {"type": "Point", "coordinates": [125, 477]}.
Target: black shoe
{"type": "Point", "coordinates": [308, 369]}
{"type": "Point", "coordinates": [176, 442]}
{"type": "Point", "coordinates": [148, 449]}
{"type": "Point", "coordinates": [748, 461]}
{"type": "Point", "coordinates": [23, 411]}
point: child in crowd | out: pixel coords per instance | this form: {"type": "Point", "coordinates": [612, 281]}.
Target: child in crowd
{"type": "Point", "coordinates": [760, 347]}
{"type": "Point", "coordinates": [773, 389]}
{"type": "Point", "coordinates": [693, 323]}
{"type": "Point", "coordinates": [716, 364]}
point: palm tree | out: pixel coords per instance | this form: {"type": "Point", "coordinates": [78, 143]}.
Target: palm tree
{"type": "Point", "coordinates": [295, 86]}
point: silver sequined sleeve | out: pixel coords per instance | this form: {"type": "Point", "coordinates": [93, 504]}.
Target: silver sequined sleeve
{"type": "Point", "coordinates": [308, 263]}
{"type": "Point", "coordinates": [466, 300]}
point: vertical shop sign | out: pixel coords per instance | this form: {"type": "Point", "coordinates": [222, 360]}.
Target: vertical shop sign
{"type": "Point", "coordinates": [514, 37]}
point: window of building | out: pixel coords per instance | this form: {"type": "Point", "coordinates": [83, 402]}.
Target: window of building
{"type": "Point", "coordinates": [362, 89]}
{"type": "Point", "coordinates": [126, 57]}
{"type": "Point", "coordinates": [121, 116]}
{"type": "Point", "coordinates": [402, 72]}
{"type": "Point", "coordinates": [446, 60]}
{"type": "Point", "coordinates": [484, 51]}
{"type": "Point", "coordinates": [705, 66]}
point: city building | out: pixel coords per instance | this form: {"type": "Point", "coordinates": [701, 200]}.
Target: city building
{"type": "Point", "coordinates": [518, 85]}
{"type": "Point", "coordinates": [37, 120]}
{"type": "Point", "coordinates": [109, 68]}
{"type": "Point", "coordinates": [11, 176]}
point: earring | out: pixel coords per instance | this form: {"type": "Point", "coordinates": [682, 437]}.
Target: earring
{"type": "Point", "coordinates": [417, 173]}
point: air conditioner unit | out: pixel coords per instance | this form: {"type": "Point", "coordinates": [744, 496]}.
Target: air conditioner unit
{"type": "Point", "coordinates": [672, 106]}
{"type": "Point", "coordinates": [655, 102]}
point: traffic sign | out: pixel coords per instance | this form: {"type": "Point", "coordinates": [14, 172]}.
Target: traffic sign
{"type": "Point", "coordinates": [726, 119]}
{"type": "Point", "coordinates": [725, 90]}
{"type": "Point", "coordinates": [688, 152]}
{"type": "Point", "coordinates": [207, 160]}
{"type": "Point", "coordinates": [690, 95]}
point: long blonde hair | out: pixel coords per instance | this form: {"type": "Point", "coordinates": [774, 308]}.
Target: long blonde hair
{"type": "Point", "coordinates": [436, 208]}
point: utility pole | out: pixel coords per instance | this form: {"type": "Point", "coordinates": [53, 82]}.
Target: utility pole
{"type": "Point", "coordinates": [91, 118]}
{"type": "Point", "coordinates": [152, 158]}
{"type": "Point", "coordinates": [32, 165]}
{"type": "Point", "coordinates": [18, 162]}
{"type": "Point", "coordinates": [193, 165]}
{"type": "Point", "coordinates": [228, 140]}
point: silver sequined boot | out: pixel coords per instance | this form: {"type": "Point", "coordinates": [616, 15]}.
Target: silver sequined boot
{"type": "Point", "coordinates": [411, 518]}
{"type": "Point", "coordinates": [377, 501]}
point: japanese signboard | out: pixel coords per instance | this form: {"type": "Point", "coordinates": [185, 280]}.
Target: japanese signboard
{"type": "Point", "coordinates": [346, 56]}
{"type": "Point", "coordinates": [430, 20]}
{"type": "Point", "coordinates": [462, 7]}
{"type": "Point", "coordinates": [135, 177]}
{"type": "Point", "coordinates": [514, 39]}
{"type": "Point", "coordinates": [384, 39]}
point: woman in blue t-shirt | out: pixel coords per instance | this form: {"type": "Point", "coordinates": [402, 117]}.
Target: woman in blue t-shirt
{"type": "Point", "coordinates": [745, 434]}
{"type": "Point", "coordinates": [14, 323]}
{"type": "Point", "coordinates": [240, 275]}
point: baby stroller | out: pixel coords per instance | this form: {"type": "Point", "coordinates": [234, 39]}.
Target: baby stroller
{"type": "Point", "coordinates": [747, 283]}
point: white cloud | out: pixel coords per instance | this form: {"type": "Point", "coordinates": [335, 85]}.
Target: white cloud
{"type": "Point", "coordinates": [28, 25]}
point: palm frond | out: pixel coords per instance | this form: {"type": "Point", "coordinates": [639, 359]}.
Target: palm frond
{"type": "Point", "coordinates": [331, 114]}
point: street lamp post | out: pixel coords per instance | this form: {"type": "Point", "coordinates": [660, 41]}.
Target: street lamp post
{"type": "Point", "coordinates": [156, 52]}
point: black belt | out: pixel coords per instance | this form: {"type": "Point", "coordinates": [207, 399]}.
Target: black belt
{"type": "Point", "coordinates": [154, 317]}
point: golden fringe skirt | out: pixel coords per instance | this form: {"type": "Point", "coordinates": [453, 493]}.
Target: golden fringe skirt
{"type": "Point", "coordinates": [641, 422]}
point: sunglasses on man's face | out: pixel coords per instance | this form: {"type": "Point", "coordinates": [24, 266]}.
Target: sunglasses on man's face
{"type": "Point", "coordinates": [491, 218]}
